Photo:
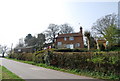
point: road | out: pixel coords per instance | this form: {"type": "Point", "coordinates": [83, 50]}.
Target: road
{"type": "Point", "coordinates": [27, 71]}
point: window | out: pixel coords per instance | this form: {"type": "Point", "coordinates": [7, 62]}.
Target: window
{"type": "Point", "coordinates": [65, 38]}
{"type": "Point", "coordinates": [77, 45]}
{"type": "Point", "coordinates": [67, 46]}
{"type": "Point", "coordinates": [70, 46]}
{"type": "Point", "coordinates": [71, 38]}
{"type": "Point", "coordinates": [59, 43]}
{"type": "Point", "coordinates": [19, 50]}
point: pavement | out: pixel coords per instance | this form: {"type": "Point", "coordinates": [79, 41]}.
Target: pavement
{"type": "Point", "coordinates": [31, 72]}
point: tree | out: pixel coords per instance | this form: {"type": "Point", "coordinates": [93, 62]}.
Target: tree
{"type": "Point", "coordinates": [27, 39]}
{"type": "Point", "coordinates": [40, 40]}
{"type": "Point", "coordinates": [0, 49]}
{"type": "Point", "coordinates": [33, 41]}
{"type": "Point", "coordinates": [87, 35]}
{"type": "Point", "coordinates": [66, 28]}
{"type": "Point", "coordinates": [111, 35]}
{"type": "Point", "coordinates": [30, 40]}
{"type": "Point", "coordinates": [92, 42]}
{"type": "Point", "coordinates": [106, 27]}
{"type": "Point", "coordinates": [4, 49]}
{"type": "Point", "coordinates": [21, 43]}
{"type": "Point", "coordinates": [51, 32]}
{"type": "Point", "coordinates": [118, 34]}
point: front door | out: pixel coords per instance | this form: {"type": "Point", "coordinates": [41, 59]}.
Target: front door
{"type": "Point", "coordinates": [71, 46]}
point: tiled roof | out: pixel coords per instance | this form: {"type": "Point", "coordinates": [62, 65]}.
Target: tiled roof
{"type": "Point", "coordinates": [101, 40]}
{"type": "Point", "coordinates": [70, 35]}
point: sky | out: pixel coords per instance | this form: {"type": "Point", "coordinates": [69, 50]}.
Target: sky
{"type": "Point", "coordinates": [21, 17]}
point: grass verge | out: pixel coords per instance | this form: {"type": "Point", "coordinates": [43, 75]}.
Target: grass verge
{"type": "Point", "coordinates": [6, 75]}
{"type": "Point", "coordinates": [97, 75]}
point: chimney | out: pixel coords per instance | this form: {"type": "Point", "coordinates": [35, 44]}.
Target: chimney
{"type": "Point", "coordinates": [80, 29]}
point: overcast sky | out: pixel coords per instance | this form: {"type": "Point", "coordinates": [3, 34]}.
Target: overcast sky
{"type": "Point", "coordinates": [21, 17]}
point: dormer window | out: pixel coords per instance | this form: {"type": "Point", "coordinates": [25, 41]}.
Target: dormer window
{"type": "Point", "coordinates": [71, 38]}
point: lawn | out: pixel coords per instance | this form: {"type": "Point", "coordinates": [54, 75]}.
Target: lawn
{"type": "Point", "coordinates": [6, 75]}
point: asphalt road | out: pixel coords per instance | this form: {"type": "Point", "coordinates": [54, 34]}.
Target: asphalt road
{"type": "Point", "coordinates": [27, 71]}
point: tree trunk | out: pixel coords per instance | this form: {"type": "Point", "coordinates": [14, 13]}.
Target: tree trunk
{"type": "Point", "coordinates": [3, 54]}
{"type": "Point", "coordinates": [97, 45]}
{"type": "Point", "coordinates": [88, 44]}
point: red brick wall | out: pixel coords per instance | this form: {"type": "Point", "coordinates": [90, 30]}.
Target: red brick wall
{"type": "Point", "coordinates": [77, 39]}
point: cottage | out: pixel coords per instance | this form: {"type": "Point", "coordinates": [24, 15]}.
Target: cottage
{"type": "Point", "coordinates": [70, 40]}
{"type": "Point", "coordinates": [29, 49]}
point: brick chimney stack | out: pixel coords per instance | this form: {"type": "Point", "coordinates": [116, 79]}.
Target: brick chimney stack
{"type": "Point", "coordinates": [80, 29]}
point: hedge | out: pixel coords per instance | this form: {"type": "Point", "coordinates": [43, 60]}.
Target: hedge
{"type": "Point", "coordinates": [22, 56]}
{"type": "Point", "coordinates": [71, 50]}
{"type": "Point", "coordinates": [107, 63]}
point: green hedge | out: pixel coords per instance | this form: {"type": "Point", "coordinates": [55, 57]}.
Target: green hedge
{"type": "Point", "coordinates": [107, 63]}
{"type": "Point", "coordinates": [71, 50]}
{"type": "Point", "coordinates": [22, 56]}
